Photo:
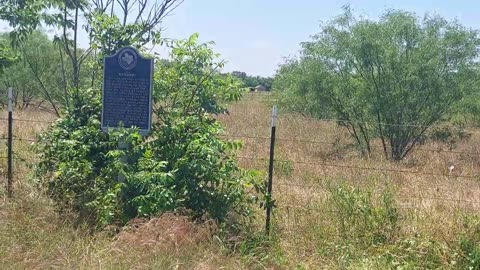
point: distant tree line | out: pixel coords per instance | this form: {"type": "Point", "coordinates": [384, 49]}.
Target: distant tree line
{"type": "Point", "coordinates": [253, 81]}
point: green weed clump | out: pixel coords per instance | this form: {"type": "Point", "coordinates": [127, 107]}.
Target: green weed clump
{"type": "Point", "coordinates": [283, 167]}
{"type": "Point", "coordinates": [360, 218]}
{"type": "Point", "coordinates": [469, 243]}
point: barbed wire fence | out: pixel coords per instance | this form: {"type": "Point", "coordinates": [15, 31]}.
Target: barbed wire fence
{"type": "Point", "coordinates": [297, 195]}
{"type": "Point", "coordinates": [9, 142]}
{"type": "Point", "coordinates": [294, 196]}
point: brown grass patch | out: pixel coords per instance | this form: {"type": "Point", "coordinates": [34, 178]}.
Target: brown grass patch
{"type": "Point", "coordinates": [169, 231]}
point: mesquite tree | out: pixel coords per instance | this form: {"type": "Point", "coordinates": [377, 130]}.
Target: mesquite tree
{"type": "Point", "coordinates": [392, 78]}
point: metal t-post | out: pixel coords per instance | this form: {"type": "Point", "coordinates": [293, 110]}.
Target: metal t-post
{"type": "Point", "coordinates": [10, 144]}
{"type": "Point", "coordinates": [270, 171]}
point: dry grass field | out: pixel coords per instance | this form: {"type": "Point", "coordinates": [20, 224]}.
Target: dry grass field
{"type": "Point", "coordinates": [335, 208]}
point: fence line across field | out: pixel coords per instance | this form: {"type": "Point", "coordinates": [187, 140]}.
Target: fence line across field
{"type": "Point", "coordinates": [427, 197]}
{"type": "Point", "coordinates": [24, 139]}
{"type": "Point", "coordinates": [433, 198]}
{"type": "Point", "coordinates": [232, 136]}
{"type": "Point", "coordinates": [318, 210]}
{"type": "Point", "coordinates": [292, 139]}
{"type": "Point", "coordinates": [332, 143]}
{"type": "Point", "coordinates": [317, 163]}
{"type": "Point", "coordinates": [324, 164]}
{"type": "Point", "coordinates": [28, 120]}
{"type": "Point", "coordinates": [272, 99]}
{"type": "Point", "coordinates": [322, 188]}
{"type": "Point", "coordinates": [300, 117]}
{"type": "Point", "coordinates": [365, 168]}
{"type": "Point", "coordinates": [19, 139]}
{"type": "Point", "coordinates": [362, 122]}
{"type": "Point", "coordinates": [288, 191]}
{"type": "Point", "coordinates": [288, 117]}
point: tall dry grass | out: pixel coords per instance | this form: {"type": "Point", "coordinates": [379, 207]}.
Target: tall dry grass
{"type": "Point", "coordinates": [313, 158]}
{"type": "Point", "coordinates": [433, 202]}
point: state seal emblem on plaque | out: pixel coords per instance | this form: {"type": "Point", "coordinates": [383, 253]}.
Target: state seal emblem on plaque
{"type": "Point", "coordinates": [127, 59]}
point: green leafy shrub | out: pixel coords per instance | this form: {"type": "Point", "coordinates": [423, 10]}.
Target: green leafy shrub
{"type": "Point", "coordinates": [181, 164]}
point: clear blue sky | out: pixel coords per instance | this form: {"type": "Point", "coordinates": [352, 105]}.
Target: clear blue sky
{"type": "Point", "coordinates": [255, 35]}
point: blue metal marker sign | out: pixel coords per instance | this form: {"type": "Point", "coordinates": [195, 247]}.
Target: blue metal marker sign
{"type": "Point", "coordinates": [127, 91]}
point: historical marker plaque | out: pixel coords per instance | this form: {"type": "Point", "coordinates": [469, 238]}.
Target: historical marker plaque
{"type": "Point", "coordinates": [127, 91]}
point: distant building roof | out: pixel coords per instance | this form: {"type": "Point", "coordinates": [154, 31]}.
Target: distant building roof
{"type": "Point", "coordinates": [260, 88]}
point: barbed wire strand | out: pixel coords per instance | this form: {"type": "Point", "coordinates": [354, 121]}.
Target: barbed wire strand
{"type": "Point", "coordinates": [440, 198]}
{"type": "Point", "coordinates": [352, 121]}
{"type": "Point", "coordinates": [322, 210]}
{"type": "Point", "coordinates": [458, 200]}
{"type": "Point", "coordinates": [330, 143]}
{"type": "Point", "coordinates": [28, 120]}
{"type": "Point", "coordinates": [295, 140]}
{"type": "Point", "coordinates": [322, 142]}
{"type": "Point", "coordinates": [364, 168]}
{"type": "Point", "coordinates": [306, 141]}
{"type": "Point", "coordinates": [312, 142]}
{"type": "Point", "coordinates": [19, 139]}
{"type": "Point", "coordinates": [287, 117]}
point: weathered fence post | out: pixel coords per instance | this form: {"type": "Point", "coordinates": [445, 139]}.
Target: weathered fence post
{"type": "Point", "coordinates": [9, 144]}
{"type": "Point", "coordinates": [269, 201]}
